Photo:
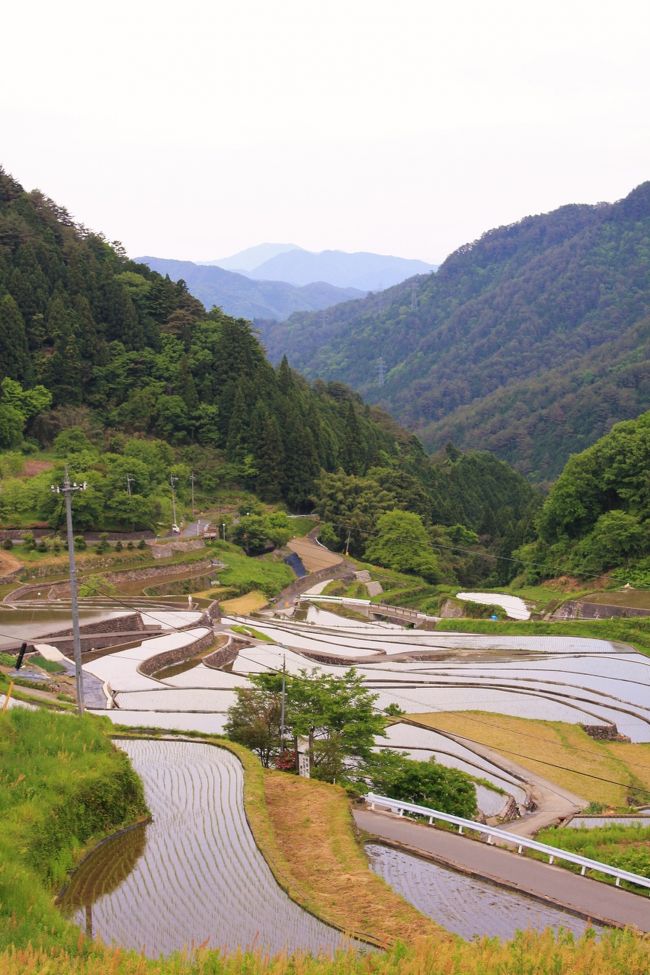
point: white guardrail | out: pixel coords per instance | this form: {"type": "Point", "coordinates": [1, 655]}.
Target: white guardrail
{"type": "Point", "coordinates": [520, 842]}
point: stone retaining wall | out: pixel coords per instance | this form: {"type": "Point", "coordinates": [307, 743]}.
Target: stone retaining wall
{"type": "Point", "coordinates": [173, 548]}
{"type": "Point", "coordinates": [340, 571]}
{"type": "Point", "coordinates": [603, 732]}
{"type": "Point", "coordinates": [61, 590]}
{"type": "Point", "coordinates": [170, 657]}
{"type": "Point", "coordinates": [226, 655]}
{"type": "Point", "coordinates": [575, 610]}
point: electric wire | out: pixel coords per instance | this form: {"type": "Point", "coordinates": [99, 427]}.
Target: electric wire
{"type": "Point", "coordinates": [590, 775]}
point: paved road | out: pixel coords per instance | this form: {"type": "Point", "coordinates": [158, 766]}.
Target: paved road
{"type": "Point", "coordinates": [590, 898]}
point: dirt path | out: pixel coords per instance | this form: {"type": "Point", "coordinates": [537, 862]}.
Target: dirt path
{"type": "Point", "coordinates": [589, 898]}
{"type": "Point", "coordinates": [8, 563]}
{"type": "Point", "coordinates": [553, 803]}
{"type": "Point", "coordinates": [312, 555]}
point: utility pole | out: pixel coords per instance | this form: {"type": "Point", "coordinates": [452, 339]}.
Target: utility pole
{"type": "Point", "coordinates": [67, 490]}
{"type": "Point", "coordinates": [192, 483]}
{"type": "Point", "coordinates": [283, 702]}
{"type": "Point", "coordinates": [223, 526]}
{"type": "Point", "coordinates": [381, 376]}
{"type": "Point", "coordinates": [129, 481]}
{"type": "Point", "coordinates": [347, 541]}
{"type": "Point", "coordinates": [172, 481]}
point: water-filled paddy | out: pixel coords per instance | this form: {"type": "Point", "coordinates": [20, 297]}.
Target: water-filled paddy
{"type": "Point", "coordinates": [196, 876]}
{"type": "Point", "coordinates": [466, 905]}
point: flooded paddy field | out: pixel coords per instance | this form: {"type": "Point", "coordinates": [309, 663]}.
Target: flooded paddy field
{"type": "Point", "coordinates": [194, 876]}
{"type": "Point", "coordinates": [33, 623]}
{"type": "Point", "coordinates": [466, 905]}
{"type": "Point", "coordinates": [581, 681]}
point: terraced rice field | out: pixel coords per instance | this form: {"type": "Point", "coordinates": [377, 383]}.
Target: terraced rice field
{"type": "Point", "coordinates": [562, 679]}
{"type": "Point", "coordinates": [515, 607]}
{"type": "Point", "coordinates": [465, 905]}
{"type": "Point", "coordinates": [195, 877]}
{"type": "Point", "coordinates": [583, 681]}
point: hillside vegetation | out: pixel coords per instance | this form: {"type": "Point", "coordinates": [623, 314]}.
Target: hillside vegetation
{"type": "Point", "coordinates": [62, 785]}
{"type": "Point", "coordinates": [92, 340]}
{"type": "Point", "coordinates": [597, 514]}
{"type": "Point", "coordinates": [113, 370]}
{"type": "Point", "coordinates": [529, 342]}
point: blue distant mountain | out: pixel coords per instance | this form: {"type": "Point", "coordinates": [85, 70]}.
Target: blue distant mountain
{"type": "Point", "coordinates": [285, 262]}
{"type": "Point", "coordinates": [368, 272]}
{"type": "Point", "coordinates": [244, 297]}
{"type": "Point", "coordinates": [245, 261]}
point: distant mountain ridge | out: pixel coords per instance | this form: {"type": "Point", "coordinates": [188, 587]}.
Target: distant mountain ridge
{"type": "Point", "coordinates": [530, 341]}
{"type": "Point", "coordinates": [246, 260]}
{"type": "Point", "coordinates": [365, 271]}
{"type": "Point", "coordinates": [285, 262]}
{"type": "Point", "coordinates": [243, 297]}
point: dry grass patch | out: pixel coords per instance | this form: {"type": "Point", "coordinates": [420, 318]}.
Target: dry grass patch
{"type": "Point", "coordinates": [315, 832]}
{"type": "Point", "coordinates": [586, 762]}
{"type": "Point", "coordinates": [8, 562]}
{"type": "Point", "coordinates": [244, 605]}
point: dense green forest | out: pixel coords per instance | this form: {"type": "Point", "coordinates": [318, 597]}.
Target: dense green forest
{"type": "Point", "coordinates": [90, 339]}
{"type": "Point", "coordinates": [597, 515]}
{"type": "Point", "coordinates": [529, 342]}
{"type": "Point", "coordinates": [115, 370]}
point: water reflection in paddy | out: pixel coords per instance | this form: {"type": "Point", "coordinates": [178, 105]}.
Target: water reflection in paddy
{"type": "Point", "coordinates": [30, 624]}
{"type": "Point", "coordinates": [465, 905]}
{"type": "Point", "coordinates": [197, 877]}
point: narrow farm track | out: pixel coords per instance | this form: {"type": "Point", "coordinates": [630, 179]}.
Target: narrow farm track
{"type": "Point", "coordinates": [200, 879]}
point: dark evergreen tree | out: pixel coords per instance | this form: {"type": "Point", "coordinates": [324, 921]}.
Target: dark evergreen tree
{"type": "Point", "coordinates": [14, 351]}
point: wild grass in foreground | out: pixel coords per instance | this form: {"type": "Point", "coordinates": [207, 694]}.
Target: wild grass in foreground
{"type": "Point", "coordinates": [617, 953]}
{"type": "Point", "coordinates": [62, 784]}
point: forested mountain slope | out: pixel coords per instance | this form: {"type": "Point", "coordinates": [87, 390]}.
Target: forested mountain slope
{"type": "Point", "coordinates": [241, 296]}
{"type": "Point", "coordinates": [530, 341]}
{"type": "Point", "coordinates": [113, 354]}
{"type": "Point", "coordinates": [597, 515]}
{"type": "Point", "coordinates": [91, 339]}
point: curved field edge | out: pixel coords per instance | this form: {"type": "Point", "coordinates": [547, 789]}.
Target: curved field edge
{"type": "Point", "coordinates": [63, 787]}
{"type": "Point", "coordinates": [52, 946]}
{"type": "Point", "coordinates": [613, 774]}
{"type": "Point", "coordinates": [305, 832]}
{"type": "Point", "coordinates": [633, 631]}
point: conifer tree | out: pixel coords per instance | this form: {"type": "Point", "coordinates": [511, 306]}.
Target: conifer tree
{"type": "Point", "coordinates": [14, 351]}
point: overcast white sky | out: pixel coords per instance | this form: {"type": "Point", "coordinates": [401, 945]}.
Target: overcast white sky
{"type": "Point", "coordinates": [195, 129]}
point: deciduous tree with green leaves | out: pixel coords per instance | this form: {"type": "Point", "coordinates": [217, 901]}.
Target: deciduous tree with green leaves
{"type": "Point", "coordinates": [401, 543]}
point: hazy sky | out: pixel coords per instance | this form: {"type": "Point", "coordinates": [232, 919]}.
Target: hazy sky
{"type": "Point", "coordinates": [195, 129]}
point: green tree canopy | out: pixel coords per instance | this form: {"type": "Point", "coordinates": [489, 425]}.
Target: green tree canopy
{"type": "Point", "coordinates": [336, 716]}
{"type": "Point", "coordinates": [396, 775]}
{"type": "Point", "coordinates": [401, 543]}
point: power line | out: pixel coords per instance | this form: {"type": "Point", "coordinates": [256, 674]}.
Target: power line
{"type": "Point", "coordinates": [449, 548]}
{"type": "Point", "coordinates": [591, 775]}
